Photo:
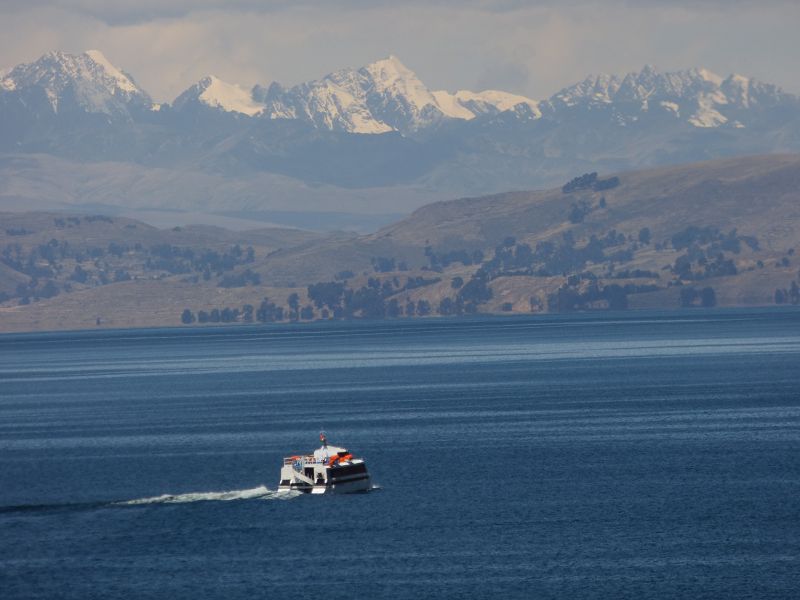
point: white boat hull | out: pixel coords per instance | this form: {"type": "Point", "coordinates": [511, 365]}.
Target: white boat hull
{"type": "Point", "coordinates": [319, 478]}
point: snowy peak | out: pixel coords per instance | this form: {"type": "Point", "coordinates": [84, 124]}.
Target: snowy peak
{"type": "Point", "coordinates": [380, 97]}
{"type": "Point", "coordinates": [391, 74]}
{"type": "Point", "coordinates": [215, 93]}
{"type": "Point", "coordinates": [698, 96]}
{"type": "Point", "coordinates": [387, 96]}
{"type": "Point", "coordinates": [393, 81]}
{"type": "Point", "coordinates": [335, 102]}
{"type": "Point", "coordinates": [469, 105]}
{"type": "Point", "coordinates": [638, 87]}
{"type": "Point", "coordinates": [592, 90]}
{"type": "Point", "coordinates": [121, 80]}
{"type": "Point", "coordinates": [87, 82]}
{"type": "Point", "coordinates": [744, 92]}
{"type": "Point", "coordinates": [397, 97]}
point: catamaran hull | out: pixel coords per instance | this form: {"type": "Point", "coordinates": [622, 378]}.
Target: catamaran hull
{"type": "Point", "coordinates": [347, 479]}
{"type": "Point", "coordinates": [354, 486]}
{"type": "Point", "coordinates": [349, 487]}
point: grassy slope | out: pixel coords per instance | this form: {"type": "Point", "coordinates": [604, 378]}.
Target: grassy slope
{"type": "Point", "coordinates": [758, 195]}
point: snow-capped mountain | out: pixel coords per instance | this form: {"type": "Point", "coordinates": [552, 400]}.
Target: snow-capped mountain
{"type": "Point", "coordinates": [387, 96]}
{"type": "Point", "coordinates": [85, 82]}
{"type": "Point", "coordinates": [333, 131]}
{"type": "Point", "coordinates": [212, 92]}
{"type": "Point", "coordinates": [468, 105]}
{"type": "Point", "coordinates": [338, 102]}
{"type": "Point", "coordinates": [380, 97]}
{"type": "Point", "coordinates": [696, 96]}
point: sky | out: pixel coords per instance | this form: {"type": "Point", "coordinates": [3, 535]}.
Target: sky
{"type": "Point", "coordinates": [533, 48]}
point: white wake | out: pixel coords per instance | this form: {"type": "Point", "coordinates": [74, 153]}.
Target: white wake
{"type": "Point", "coordinates": [256, 493]}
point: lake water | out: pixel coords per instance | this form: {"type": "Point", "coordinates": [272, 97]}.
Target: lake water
{"type": "Point", "coordinates": [645, 455]}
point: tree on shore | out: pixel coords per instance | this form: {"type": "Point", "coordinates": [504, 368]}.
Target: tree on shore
{"type": "Point", "coordinates": [294, 306]}
{"type": "Point", "coordinates": [423, 308]}
{"type": "Point", "coordinates": [247, 313]}
{"type": "Point", "coordinates": [708, 297]}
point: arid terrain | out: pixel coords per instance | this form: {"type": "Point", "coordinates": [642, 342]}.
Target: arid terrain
{"type": "Point", "coordinates": [720, 233]}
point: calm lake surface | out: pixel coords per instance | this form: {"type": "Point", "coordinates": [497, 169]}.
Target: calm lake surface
{"type": "Point", "coordinates": [646, 455]}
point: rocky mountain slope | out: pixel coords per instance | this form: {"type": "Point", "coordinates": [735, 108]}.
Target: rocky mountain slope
{"type": "Point", "coordinates": [71, 84]}
{"type": "Point", "coordinates": [380, 97]}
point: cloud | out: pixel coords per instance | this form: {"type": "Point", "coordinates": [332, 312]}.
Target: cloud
{"type": "Point", "coordinates": [504, 76]}
{"type": "Point", "coordinates": [123, 12]}
{"type": "Point", "coordinates": [532, 48]}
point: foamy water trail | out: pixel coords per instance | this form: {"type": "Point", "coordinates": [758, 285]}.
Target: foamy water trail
{"type": "Point", "coordinates": [256, 493]}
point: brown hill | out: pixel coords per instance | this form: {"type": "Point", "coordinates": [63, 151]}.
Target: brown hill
{"type": "Point", "coordinates": [758, 195]}
{"type": "Point", "coordinates": [714, 233]}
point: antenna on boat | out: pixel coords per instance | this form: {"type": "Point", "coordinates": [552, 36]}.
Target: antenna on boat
{"type": "Point", "coordinates": [323, 439]}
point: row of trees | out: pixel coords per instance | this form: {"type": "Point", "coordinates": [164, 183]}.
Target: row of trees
{"type": "Point", "coordinates": [382, 264]}
{"type": "Point", "coordinates": [442, 259]}
{"type": "Point", "coordinates": [62, 222]}
{"type": "Point", "coordinates": [705, 249]}
{"type": "Point", "coordinates": [691, 296]}
{"type": "Point", "coordinates": [269, 312]}
{"type": "Point", "coordinates": [554, 257]}
{"type": "Point", "coordinates": [373, 300]}
{"type": "Point", "coordinates": [569, 299]}
{"type": "Point", "coordinates": [589, 181]}
{"type": "Point", "coordinates": [788, 296]}
{"type": "Point", "coordinates": [180, 259]}
{"type": "Point", "coordinates": [101, 265]}
{"type": "Point", "coordinates": [718, 266]}
{"type": "Point", "coordinates": [714, 239]}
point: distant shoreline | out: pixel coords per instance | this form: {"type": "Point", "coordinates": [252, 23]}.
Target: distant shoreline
{"type": "Point", "coordinates": [578, 316]}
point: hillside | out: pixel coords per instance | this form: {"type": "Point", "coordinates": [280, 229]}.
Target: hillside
{"type": "Point", "coordinates": [719, 233]}
{"type": "Point", "coordinates": [63, 271]}
{"type": "Point", "coordinates": [759, 195]}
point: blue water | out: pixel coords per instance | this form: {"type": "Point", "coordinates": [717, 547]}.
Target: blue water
{"type": "Point", "coordinates": [651, 455]}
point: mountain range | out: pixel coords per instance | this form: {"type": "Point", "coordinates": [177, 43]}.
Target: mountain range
{"type": "Point", "coordinates": [365, 144]}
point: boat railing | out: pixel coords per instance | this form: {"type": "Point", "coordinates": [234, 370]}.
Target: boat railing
{"type": "Point", "coordinates": [308, 460]}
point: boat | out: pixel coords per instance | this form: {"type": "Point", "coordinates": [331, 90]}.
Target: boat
{"type": "Point", "coordinates": [330, 469]}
